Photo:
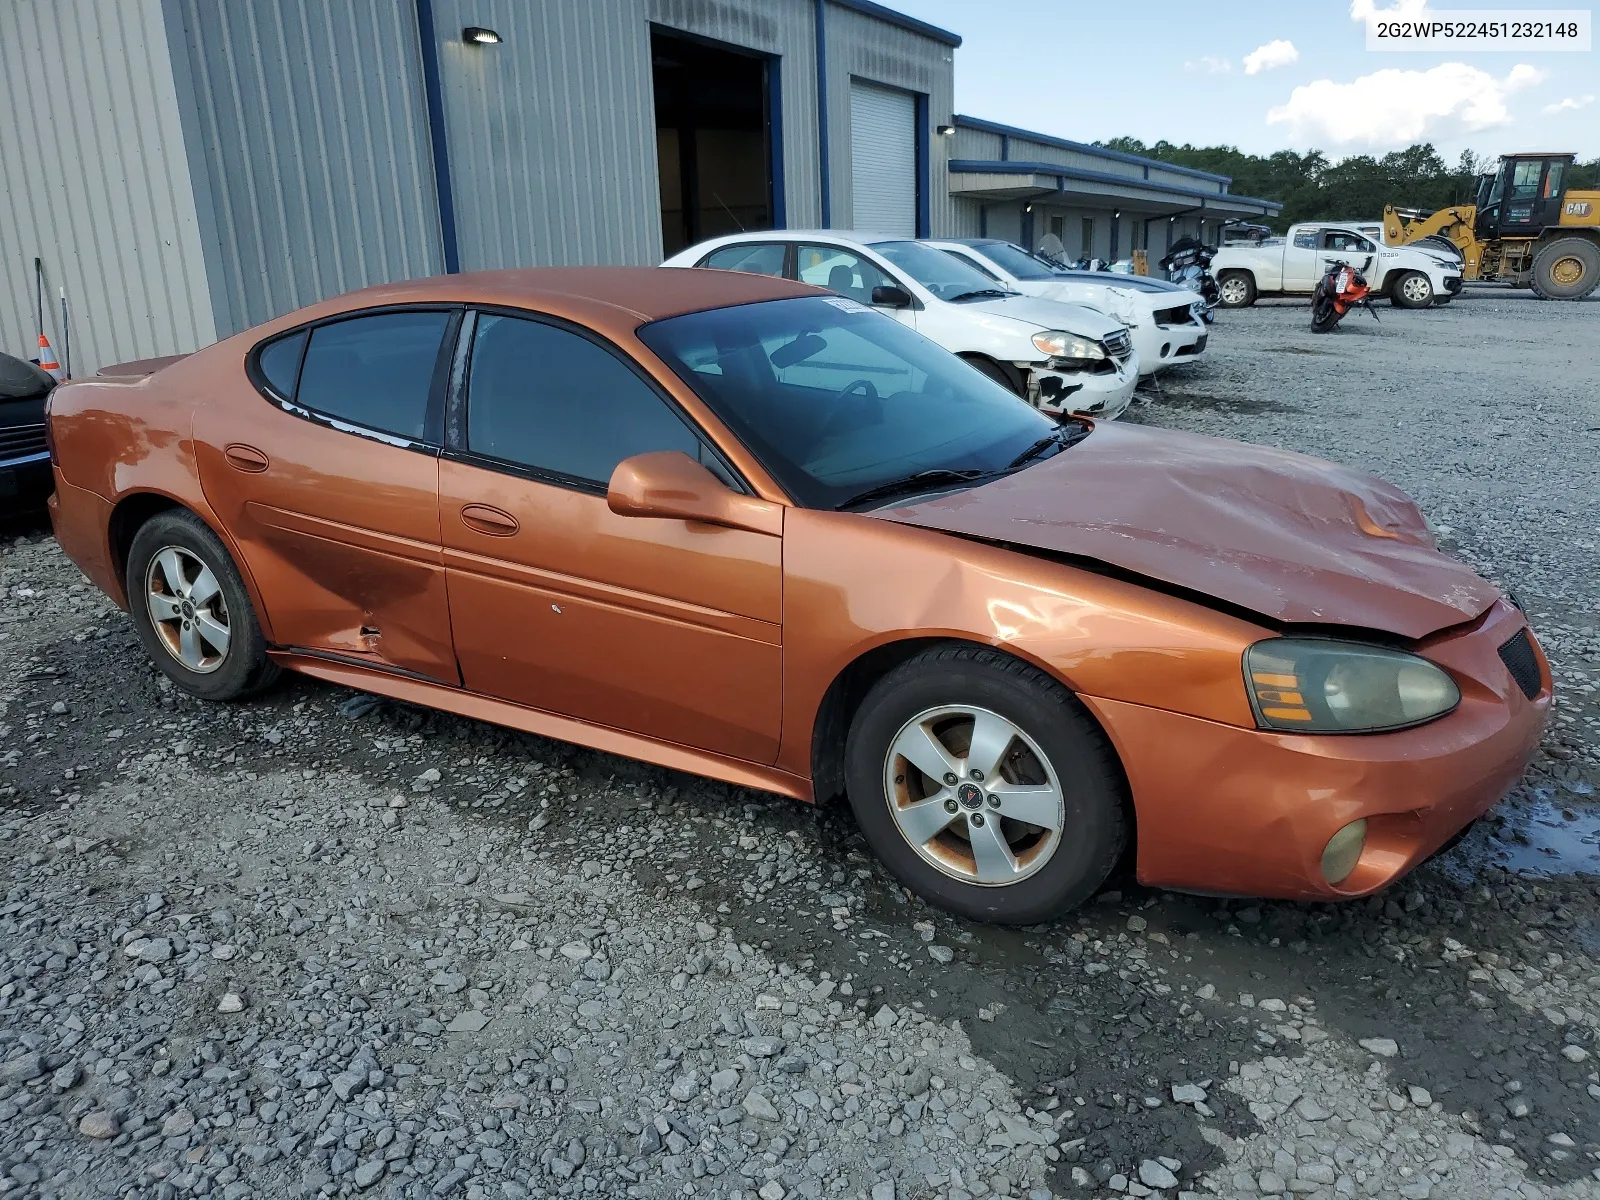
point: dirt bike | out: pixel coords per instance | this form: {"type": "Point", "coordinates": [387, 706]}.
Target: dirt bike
{"type": "Point", "coordinates": [1340, 290]}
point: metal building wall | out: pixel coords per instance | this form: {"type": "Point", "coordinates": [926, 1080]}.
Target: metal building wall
{"type": "Point", "coordinates": [96, 184]}
{"type": "Point", "coordinates": [551, 133]}
{"type": "Point", "coordinates": [863, 48]}
{"type": "Point", "coordinates": [308, 141]}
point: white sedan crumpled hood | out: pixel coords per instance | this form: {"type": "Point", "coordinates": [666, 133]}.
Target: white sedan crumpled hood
{"type": "Point", "coordinates": [1124, 303]}
{"type": "Point", "coordinates": [1075, 318]}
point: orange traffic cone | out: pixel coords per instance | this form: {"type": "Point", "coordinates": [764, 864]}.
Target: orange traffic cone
{"type": "Point", "coordinates": [47, 359]}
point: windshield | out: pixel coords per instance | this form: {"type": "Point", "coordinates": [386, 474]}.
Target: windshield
{"type": "Point", "coordinates": [946, 276]}
{"type": "Point", "coordinates": [835, 399]}
{"type": "Point", "coordinates": [1015, 260]}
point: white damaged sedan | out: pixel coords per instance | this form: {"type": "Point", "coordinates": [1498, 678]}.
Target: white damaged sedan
{"type": "Point", "coordinates": [1165, 321]}
{"type": "Point", "coordinates": [1060, 357]}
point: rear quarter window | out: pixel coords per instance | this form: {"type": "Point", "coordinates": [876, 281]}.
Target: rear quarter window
{"type": "Point", "coordinates": [279, 363]}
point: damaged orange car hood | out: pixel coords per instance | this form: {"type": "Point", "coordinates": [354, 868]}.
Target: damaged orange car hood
{"type": "Point", "coordinates": [1293, 538]}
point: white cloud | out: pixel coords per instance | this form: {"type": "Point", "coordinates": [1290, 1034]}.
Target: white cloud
{"type": "Point", "coordinates": [1393, 107]}
{"type": "Point", "coordinates": [1210, 64]}
{"type": "Point", "coordinates": [1368, 12]}
{"type": "Point", "coordinates": [1278, 53]}
{"type": "Point", "coordinates": [1570, 104]}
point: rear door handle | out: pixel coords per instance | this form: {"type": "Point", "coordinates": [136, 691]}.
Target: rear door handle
{"type": "Point", "coordinates": [245, 458]}
{"type": "Point", "coordinates": [486, 519]}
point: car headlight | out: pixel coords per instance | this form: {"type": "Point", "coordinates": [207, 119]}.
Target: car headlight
{"type": "Point", "coordinates": [1058, 344]}
{"type": "Point", "coordinates": [1314, 686]}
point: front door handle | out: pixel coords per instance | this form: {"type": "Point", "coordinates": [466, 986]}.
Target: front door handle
{"type": "Point", "coordinates": [245, 458]}
{"type": "Point", "coordinates": [485, 519]}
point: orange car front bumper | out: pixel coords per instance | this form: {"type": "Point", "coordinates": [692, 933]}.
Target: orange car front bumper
{"type": "Point", "coordinates": [1248, 812]}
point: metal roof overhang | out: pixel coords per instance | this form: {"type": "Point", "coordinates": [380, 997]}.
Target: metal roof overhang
{"type": "Point", "coordinates": [1007, 180]}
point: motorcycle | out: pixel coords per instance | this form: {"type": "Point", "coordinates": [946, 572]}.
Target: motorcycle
{"type": "Point", "coordinates": [1337, 292]}
{"type": "Point", "coordinates": [1188, 264]}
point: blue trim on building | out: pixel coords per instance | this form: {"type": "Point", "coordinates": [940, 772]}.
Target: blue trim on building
{"type": "Point", "coordinates": [824, 181]}
{"type": "Point", "coordinates": [924, 170]}
{"type": "Point", "coordinates": [780, 208]}
{"type": "Point", "coordinates": [1061, 173]}
{"type": "Point", "coordinates": [1045, 139]}
{"type": "Point", "coordinates": [434, 95]}
{"type": "Point", "coordinates": [888, 15]}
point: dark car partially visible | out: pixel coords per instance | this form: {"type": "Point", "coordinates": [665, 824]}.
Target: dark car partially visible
{"type": "Point", "coordinates": [25, 479]}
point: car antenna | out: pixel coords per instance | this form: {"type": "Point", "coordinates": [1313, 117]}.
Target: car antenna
{"type": "Point", "coordinates": [729, 211]}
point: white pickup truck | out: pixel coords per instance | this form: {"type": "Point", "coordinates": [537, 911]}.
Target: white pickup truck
{"type": "Point", "coordinates": [1410, 276]}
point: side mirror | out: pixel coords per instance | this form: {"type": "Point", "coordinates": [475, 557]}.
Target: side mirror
{"type": "Point", "coordinates": [887, 295]}
{"type": "Point", "coordinates": [670, 484]}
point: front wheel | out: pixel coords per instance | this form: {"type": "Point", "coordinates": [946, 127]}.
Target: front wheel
{"type": "Point", "coordinates": [192, 611]}
{"type": "Point", "coordinates": [1567, 269]}
{"type": "Point", "coordinates": [1236, 289]}
{"type": "Point", "coordinates": [984, 786]}
{"type": "Point", "coordinates": [1412, 290]}
{"type": "Point", "coordinates": [1324, 313]}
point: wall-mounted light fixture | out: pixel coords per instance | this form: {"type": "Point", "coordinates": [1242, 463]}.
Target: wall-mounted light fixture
{"type": "Point", "coordinates": [1116, 213]}
{"type": "Point", "coordinates": [945, 130]}
{"type": "Point", "coordinates": [1028, 208]}
{"type": "Point", "coordinates": [476, 35]}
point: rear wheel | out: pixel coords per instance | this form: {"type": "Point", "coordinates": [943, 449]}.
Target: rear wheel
{"type": "Point", "coordinates": [192, 611]}
{"type": "Point", "coordinates": [1236, 289]}
{"type": "Point", "coordinates": [1411, 290]}
{"type": "Point", "coordinates": [1567, 269]}
{"type": "Point", "coordinates": [985, 787]}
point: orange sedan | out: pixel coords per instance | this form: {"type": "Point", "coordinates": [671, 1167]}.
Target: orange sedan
{"type": "Point", "coordinates": [742, 527]}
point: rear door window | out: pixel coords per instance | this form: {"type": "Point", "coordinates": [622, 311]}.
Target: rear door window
{"type": "Point", "coordinates": [375, 371]}
{"type": "Point", "coordinates": [764, 259]}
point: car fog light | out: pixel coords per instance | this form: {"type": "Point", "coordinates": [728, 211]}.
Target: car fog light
{"type": "Point", "coordinates": [1343, 850]}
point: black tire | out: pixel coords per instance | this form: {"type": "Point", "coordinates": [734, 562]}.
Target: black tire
{"type": "Point", "coordinates": [994, 371]}
{"type": "Point", "coordinates": [1089, 778]}
{"type": "Point", "coordinates": [1324, 316]}
{"type": "Point", "coordinates": [1243, 291]}
{"type": "Point", "coordinates": [1443, 245]}
{"type": "Point", "coordinates": [1553, 264]}
{"type": "Point", "coordinates": [243, 667]}
{"type": "Point", "coordinates": [1412, 289]}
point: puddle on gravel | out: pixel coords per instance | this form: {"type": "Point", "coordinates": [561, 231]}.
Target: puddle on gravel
{"type": "Point", "coordinates": [1553, 832]}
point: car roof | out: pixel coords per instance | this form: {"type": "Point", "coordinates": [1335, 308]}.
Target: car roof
{"type": "Point", "coordinates": [615, 296]}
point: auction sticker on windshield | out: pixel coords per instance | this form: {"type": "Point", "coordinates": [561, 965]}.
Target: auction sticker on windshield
{"type": "Point", "coordinates": [846, 305]}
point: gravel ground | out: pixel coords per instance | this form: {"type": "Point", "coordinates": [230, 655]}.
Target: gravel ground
{"type": "Point", "coordinates": [324, 944]}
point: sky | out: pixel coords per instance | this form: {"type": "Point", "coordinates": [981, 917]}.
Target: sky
{"type": "Point", "coordinates": [1295, 74]}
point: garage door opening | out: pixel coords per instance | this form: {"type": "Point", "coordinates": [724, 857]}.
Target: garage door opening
{"type": "Point", "coordinates": [715, 122]}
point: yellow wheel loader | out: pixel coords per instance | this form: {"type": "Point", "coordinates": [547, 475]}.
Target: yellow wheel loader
{"type": "Point", "coordinates": [1526, 228]}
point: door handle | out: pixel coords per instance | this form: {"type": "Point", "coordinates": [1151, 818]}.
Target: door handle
{"type": "Point", "coordinates": [485, 519]}
{"type": "Point", "coordinates": [245, 458]}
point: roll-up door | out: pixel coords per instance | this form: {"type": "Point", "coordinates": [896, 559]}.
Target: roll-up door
{"type": "Point", "coordinates": [883, 156]}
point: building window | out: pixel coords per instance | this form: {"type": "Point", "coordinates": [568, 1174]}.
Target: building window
{"type": "Point", "coordinates": [1087, 250]}
{"type": "Point", "coordinates": [1058, 226]}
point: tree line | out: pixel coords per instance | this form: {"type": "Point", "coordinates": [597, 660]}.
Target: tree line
{"type": "Point", "coordinates": [1314, 187]}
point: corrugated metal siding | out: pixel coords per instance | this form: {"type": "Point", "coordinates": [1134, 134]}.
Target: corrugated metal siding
{"type": "Point", "coordinates": [862, 48]}
{"type": "Point", "coordinates": [783, 28]}
{"type": "Point", "coordinates": [551, 133]}
{"type": "Point", "coordinates": [96, 184]}
{"type": "Point", "coordinates": [974, 144]}
{"type": "Point", "coordinates": [311, 148]}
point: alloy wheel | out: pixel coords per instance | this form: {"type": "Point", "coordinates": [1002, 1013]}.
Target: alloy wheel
{"type": "Point", "coordinates": [973, 795]}
{"type": "Point", "coordinates": [1417, 289]}
{"type": "Point", "coordinates": [1233, 291]}
{"type": "Point", "coordinates": [187, 610]}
